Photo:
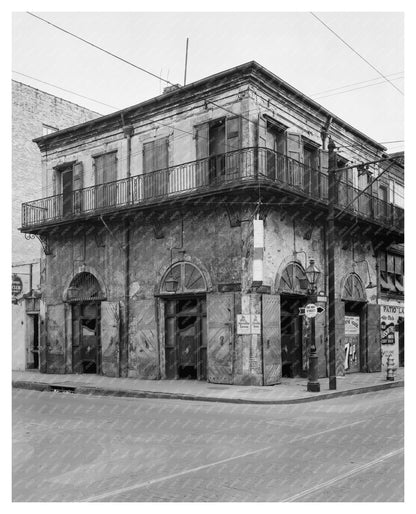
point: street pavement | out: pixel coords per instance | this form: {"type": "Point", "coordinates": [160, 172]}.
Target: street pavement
{"type": "Point", "coordinates": [71, 447]}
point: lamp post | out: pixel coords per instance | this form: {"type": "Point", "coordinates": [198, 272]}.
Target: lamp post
{"type": "Point", "coordinates": [312, 274]}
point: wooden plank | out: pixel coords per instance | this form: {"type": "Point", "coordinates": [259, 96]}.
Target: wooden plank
{"type": "Point", "coordinates": [272, 362]}
{"type": "Point", "coordinates": [143, 342]}
{"type": "Point", "coordinates": [110, 338]}
{"type": "Point", "coordinates": [55, 353]}
{"type": "Point", "coordinates": [220, 321]}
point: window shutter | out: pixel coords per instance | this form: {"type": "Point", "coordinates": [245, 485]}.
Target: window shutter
{"type": "Point", "coordinates": [110, 167]}
{"type": "Point", "coordinates": [294, 145]}
{"type": "Point", "coordinates": [99, 170]}
{"type": "Point", "coordinates": [202, 141]}
{"type": "Point", "coordinates": [161, 160]}
{"type": "Point", "coordinates": [148, 151]}
{"type": "Point", "coordinates": [78, 176]}
{"type": "Point", "coordinates": [233, 133]}
{"type": "Point", "coordinates": [77, 179]}
{"type": "Point", "coordinates": [294, 151]}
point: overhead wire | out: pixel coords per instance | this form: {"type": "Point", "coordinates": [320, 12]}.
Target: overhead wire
{"type": "Point", "coordinates": [354, 84]}
{"type": "Point", "coordinates": [165, 80]}
{"type": "Point", "coordinates": [355, 51]}
{"type": "Point", "coordinates": [100, 48]}
{"type": "Point", "coordinates": [354, 89]}
{"type": "Point", "coordinates": [66, 90]}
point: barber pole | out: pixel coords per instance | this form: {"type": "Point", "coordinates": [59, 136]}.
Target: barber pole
{"type": "Point", "coordinates": [258, 229]}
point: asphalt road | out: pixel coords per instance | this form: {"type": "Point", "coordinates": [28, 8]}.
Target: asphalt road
{"type": "Point", "coordinates": [70, 447]}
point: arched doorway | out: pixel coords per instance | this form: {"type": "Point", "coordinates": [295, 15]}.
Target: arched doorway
{"type": "Point", "coordinates": [292, 287]}
{"type": "Point", "coordinates": [85, 296]}
{"type": "Point", "coordinates": [354, 297]}
{"type": "Point", "coordinates": [185, 322]}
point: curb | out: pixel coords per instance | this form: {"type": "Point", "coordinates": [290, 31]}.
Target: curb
{"type": "Point", "coordinates": [129, 393]}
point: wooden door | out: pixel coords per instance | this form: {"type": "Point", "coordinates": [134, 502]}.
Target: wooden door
{"type": "Point", "coordinates": [272, 364]}
{"type": "Point", "coordinates": [67, 192]}
{"type": "Point", "coordinates": [220, 349]}
{"type": "Point", "coordinates": [216, 150]}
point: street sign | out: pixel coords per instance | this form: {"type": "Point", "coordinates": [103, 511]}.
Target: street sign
{"type": "Point", "coordinates": [320, 309]}
{"type": "Point", "coordinates": [301, 311]}
{"type": "Point", "coordinates": [311, 310]}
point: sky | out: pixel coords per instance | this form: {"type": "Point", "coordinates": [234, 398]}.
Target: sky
{"type": "Point", "coordinates": [293, 45]}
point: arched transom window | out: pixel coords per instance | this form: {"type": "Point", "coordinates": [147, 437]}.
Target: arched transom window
{"type": "Point", "coordinates": [187, 278]}
{"type": "Point", "coordinates": [84, 287]}
{"type": "Point", "coordinates": [293, 279]}
{"type": "Point", "coordinates": [353, 288]}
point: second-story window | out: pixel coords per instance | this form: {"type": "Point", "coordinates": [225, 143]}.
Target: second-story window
{"type": "Point", "coordinates": [105, 166]}
{"type": "Point", "coordinates": [156, 159]}
{"type": "Point", "coordinates": [217, 145]}
{"type": "Point", "coordinates": [391, 273]}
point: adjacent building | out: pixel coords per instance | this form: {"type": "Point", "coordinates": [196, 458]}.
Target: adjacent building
{"type": "Point", "coordinates": [34, 113]}
{"type": "Point", "coordinates": [176, 235]}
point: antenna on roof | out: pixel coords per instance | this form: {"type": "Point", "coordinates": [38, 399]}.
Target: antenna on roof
{"type": "Point", "coordinates": [186, 61]}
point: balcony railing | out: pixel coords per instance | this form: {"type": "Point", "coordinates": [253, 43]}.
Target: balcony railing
{"type": "Point", "coordinates": [241, 167]}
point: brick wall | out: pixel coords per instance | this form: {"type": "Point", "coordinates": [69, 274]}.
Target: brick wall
{"type": "Point", "coordinates": [31, 110]}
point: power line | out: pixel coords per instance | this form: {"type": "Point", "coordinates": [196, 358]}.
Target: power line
{"type": "Point", "coordinates": [355, 89]}
{"type": "Point", "coordinates": [100, 48]}
{"type": "Point", "coordinates": [66, 90]}
{"type": "Point", "coordinates": [357, 53]}
{"type": "Point", "coordinates": [355, 84]}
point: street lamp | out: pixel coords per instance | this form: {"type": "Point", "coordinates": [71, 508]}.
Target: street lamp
{"type": "Point", "coordinates": [312, 274]}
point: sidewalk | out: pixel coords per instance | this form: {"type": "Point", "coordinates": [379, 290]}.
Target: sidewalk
{"type": "Point", "coordinates": [291, 390]}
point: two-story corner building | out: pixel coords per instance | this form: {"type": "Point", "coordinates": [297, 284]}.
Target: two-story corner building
{"type": "Point", "coordinates": [177, 232]}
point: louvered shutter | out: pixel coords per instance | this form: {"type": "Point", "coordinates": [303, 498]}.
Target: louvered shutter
{"type": "Point", "coordinates": [202, 152]}
{"type": "Point", "coordinates": [77, 178]}
{"type": "Point", "coordinates": [272, 365]}
{"type": "Point", "coordinates": [294, 152]}
{"type": "Point", "coordinates": [233, 132]}
{"type": "Point", "coordinates": [110, 326]}
{"type": "Point", "coordinates": [55, 339]}
{"type": "Point", "coordinates": [143, 353]}
{"type": "Point", "coordinates": [220, 346]}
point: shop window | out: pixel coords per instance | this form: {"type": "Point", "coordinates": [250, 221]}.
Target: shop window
{"type": "Point", "coordinates": [391, 273]}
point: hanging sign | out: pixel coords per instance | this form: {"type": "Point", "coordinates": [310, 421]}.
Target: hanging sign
{"type": "Point", "coordinates": [17, 285]}
{"type": "Point", "coordinates": [243, 324]}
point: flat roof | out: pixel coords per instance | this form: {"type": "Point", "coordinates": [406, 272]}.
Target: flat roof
{"type": "Point", "coordinates": [249, 67]}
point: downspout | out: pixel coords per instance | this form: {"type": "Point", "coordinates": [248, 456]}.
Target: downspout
{"type": "Point", "coordinates": [123, 369]}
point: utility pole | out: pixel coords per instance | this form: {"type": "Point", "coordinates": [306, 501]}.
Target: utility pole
{"type": "Point", "coordinates": [332, 166]}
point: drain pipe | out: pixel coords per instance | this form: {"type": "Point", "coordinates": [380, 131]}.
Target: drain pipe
{"type": "Point", "coordinates": [123, 367]}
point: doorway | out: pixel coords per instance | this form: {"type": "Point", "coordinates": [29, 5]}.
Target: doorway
{"type": "Point", "coordinates": [186, 338]}
{"type": "Point", "coordinates": [85, 337]}
{"type": "Point", "coordinates": [67, 191]}
{"type": "Point", "coordinates": [216, 149]}
{"type": "Point", "coordinates": [353, 340]}
{"type": "Point", "coordinates": [291, 335]}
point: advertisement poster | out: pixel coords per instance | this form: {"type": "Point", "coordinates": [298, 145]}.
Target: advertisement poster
{"type": "Point", "coordinates": [390, 315]}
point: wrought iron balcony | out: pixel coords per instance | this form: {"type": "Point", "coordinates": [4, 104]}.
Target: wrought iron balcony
{"type": "Point", "coordinates": [245, 168]}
